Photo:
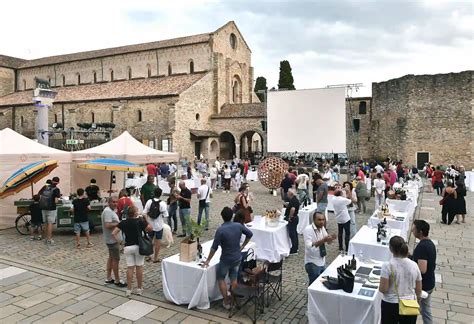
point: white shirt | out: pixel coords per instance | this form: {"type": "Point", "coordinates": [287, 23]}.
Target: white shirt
{"type": "Point", "coordinates": [172, 168]}
{"type": "Point", "coordinates": [227, 174]}
{"type": "Point", "coordinates": [340, 209]}
{"type": "Point", "coordinates": [213, 172]}
{"type": "Point", "coordinates": [379, 185]}
{"type": "Point", "coordinates": [302, 181]}
{"type": "Point", "coordinates": [406, 274]}
{"type": "Point", "coordinates": [379, 168]}
{"type": "Point", "coordinates": [312, 234]}
{"type": "Point", "coordinates": [157, 223]}
{"type": "Point", "coordinates": [202, 192]}
{"type": "Point", "coordinates": [217, 165]}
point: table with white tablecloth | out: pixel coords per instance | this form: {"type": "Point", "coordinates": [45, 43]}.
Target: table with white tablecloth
{"type": "Point", "coordinates": [405, 206]}
{"type": "Point", "coordinates": [365, 242]}
{"type": "Point", "coordinates": [403, 224]}
{"type": "Point", "coordinates": [305, 216]}
{"type": "Point", "coordinates": [469, 181]}
{"type": "Point", "coordinates": [336, 306]}
{"type": "Point", "coordinates": [273, 243]}
{"type": "Point", "coordinates": [252, 175]}
{"type": "Point", "coordinates": [189, 283]}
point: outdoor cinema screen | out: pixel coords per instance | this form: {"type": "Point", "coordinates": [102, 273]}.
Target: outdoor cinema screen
{"type": "Point", "coordinates": [307, 121]}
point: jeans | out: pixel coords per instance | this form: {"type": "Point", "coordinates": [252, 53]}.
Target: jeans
{"type": "Point", "coordinates": [293, 234]}
{"type": "Point", "coordinates": [361, 202]}
{"type": "Point", "coordinates": [206, 213]}
{"type": "Point", "coordinates": [346, 227]}
{"type": "Point", "coordinates": [353, 223]}
{"type": "Point", "coordinates": [172, 210]}
{"type": "Point", "coordinates": [321, 207]}
{"type": "Point", "coordinates": [303, 195]}
{"type": "Point", "coordinates": [425, 308]}
{"type": "Point", "coordinates": [185, 218]}
{"type": "Point", "coordinates": [313, 271]}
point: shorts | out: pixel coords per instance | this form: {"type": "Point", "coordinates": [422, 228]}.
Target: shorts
{"type": "Point", "coordinates": [132, 256]}
{"type": "Point", "coordinates": [223, 269]}
{"type": "Point", "coordinates": [49, 216]}
{"type": "Point", "coordinates": [156, 234]}
{"type": "Point", "coordinates": [84, 226]}
{"type": "Point", "coordinates": [114, 251]}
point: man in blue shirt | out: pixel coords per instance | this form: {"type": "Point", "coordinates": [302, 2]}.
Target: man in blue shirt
{"type": "Point", "coordinates": [228, 238]}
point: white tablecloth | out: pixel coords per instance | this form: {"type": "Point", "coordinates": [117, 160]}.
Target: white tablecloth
{"type": "Point", "coordinates": [273, 243]}
{"type": "Point", "coordinates": [252, 175]}
{"type": "Point", "coordinates": [188, 283]}
{"type": "Point", "coordinates": [337, 306]}
{"type": "Point", "coordinates": [469, 181]}
{"type": "Point", "coordinates": [135, 182]}
{"type": "Point", "coordinates": [404, 206]}
{"type": "Point", "coordinates": [403, 226]}
{"type": "Point", "coordinates": [305, 216]}
{"type": "Point", "coordinates": [365, 241]}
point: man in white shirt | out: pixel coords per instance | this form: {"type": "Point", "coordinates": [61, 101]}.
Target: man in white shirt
{"type": "Point", "coordinates": [302, 181]}
{"type": "Point", "coordinates": [204, 195]}
{"type": "Point", "coordinates": [218, 166]}
{"type": "Point", "coordinates": [378, 168]}
{"type": "Point", "coordinates": [315, 239]}
{"type": "Point", "coordinates": [343, 218]}
{"type": "Point", "coordinates": [156, 210]}
{"type": "Point", "coordinates": [173, 168]}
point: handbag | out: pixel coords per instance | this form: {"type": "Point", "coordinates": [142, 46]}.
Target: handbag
{"type": "Point", "coordinates": [249, 262]}
{"type": "Point", "coordinates": [145, 245]}
{"type": "Point", "coordinates": [202, 202]}
{"type": "Point", "coordinates": [406, 307]}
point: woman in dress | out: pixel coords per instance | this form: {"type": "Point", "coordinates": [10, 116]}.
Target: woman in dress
{"type": "Point", "coordinates": [438, 176]}
{"type": "Point", "coordinates": [379, 185]}
{"type": "Point", "coordinates": [460, 203]}
{"type": "Point", "coordinates": [131, 227]}
{"type": "Point", "coordinates": [400, 278]}
{"type": "Point", "coordinates": [449, 204]}
{"type": "Point", "coordinates": [242, 203]}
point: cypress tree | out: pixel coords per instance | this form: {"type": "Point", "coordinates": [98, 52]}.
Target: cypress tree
{"type": "Point", "coordinates": [260, 84]}
{"type": "Point", "coordinates": [286, 77]}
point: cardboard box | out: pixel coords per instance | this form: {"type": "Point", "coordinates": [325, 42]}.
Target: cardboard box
{"type": "Point", "coordinates": [188, 250]}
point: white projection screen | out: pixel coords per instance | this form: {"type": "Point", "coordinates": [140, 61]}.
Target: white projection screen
{"type": "Point", "coordinates": [306, 121]}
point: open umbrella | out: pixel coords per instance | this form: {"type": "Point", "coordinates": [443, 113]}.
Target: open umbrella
{"type": "Point", "coordinates": [111, 165]}
{"type": "Point", "coordinates": [27, 176]}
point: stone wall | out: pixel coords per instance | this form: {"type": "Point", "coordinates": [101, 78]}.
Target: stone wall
{"type": "Point", "coordinates": [358, 142]}
{"type": "Point", "coordinates": [424, 113]}
{"type": "Point", "coordinates": [7, 81]}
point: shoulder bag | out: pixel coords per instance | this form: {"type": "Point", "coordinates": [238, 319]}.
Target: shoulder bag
{"type": "Point", "coordinates": [202, 202]}
{"type": "Point", "coordinates": [145, 245]}
{"type": "Point", "coordinates": [406, 307]}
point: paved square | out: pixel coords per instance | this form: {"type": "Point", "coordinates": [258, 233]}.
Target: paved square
{"type": "Point", "coordinates": [132, 310]}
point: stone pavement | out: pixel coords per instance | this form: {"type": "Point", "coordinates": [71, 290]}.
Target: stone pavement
{"type": "Point", "coordinates": [453, 299]}
{"type": "Point", "coordinates": [86, 268]}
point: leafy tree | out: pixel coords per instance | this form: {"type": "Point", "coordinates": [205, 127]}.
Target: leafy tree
{"type": "Point", "coordinates": [286, 80]}
{"type": "Point", "coordinates": [260, 84]}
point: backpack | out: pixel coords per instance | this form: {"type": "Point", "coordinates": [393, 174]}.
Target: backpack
{"type": "Point", "coordinates": [46, 199]}
{"type": "Point", "coordinates": [154, 211]}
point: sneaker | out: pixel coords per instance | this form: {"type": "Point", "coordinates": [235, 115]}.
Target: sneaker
{"type": "Point", "coordinates": [128, 293]}
{"type": "Point", "coordinates": [139, 291]}
{"type": "Point", "coordinates": [90, 245]}
{"type": "Point", "coordinates": [120, 284]}
{"type": "Point", "coordinates": [109, 281]}
{"type": "Point", "coordinates": [39, 238]}
{"type": "Point", "coordinates": [32, 238]}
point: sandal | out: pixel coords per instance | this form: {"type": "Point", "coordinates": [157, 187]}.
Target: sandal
{"type": "Point", "coordinates": [157, 260]}
{"type": "Point", "coordinates": [78, 245]}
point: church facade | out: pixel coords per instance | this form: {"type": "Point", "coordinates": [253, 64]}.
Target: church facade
{"type": "Point", "coordinates": [192, 95]}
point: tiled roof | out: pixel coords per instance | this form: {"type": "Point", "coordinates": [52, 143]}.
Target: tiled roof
{"type": "Point", "coordinates": [129, 89]}
{"type": "Point", "coordinates": [200, 38]}
{"type": "Point", "coordinates": [246, 110]}
{"type": "Point", "coordinates": [11, 62]}
{"type": "Point", "coordinates": [203, 133]}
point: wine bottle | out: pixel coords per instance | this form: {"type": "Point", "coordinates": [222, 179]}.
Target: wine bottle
{"type": "Point", "coordinates": [353, 262]}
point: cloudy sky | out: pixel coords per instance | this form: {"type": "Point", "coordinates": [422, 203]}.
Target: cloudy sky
{"type": "Point", "coordinates": [327, 42]}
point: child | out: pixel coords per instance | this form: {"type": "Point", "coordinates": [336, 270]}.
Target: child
{"type": "Point", "coordinates": [81, 206]}
{"type": "Point", "coordinates": [36, 219]}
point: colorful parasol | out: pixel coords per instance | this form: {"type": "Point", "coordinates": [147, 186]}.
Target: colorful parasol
{"type": "Point", "coordinates": [26, 177]}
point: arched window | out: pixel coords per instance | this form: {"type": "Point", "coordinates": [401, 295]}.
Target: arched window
{"type": "Point", "coordinates": [362, 108]}
{"type": "Point", "coordinates": [236, 89]}
{"type": "Point", "coordinates": [191, 66]}
{"type": "Point", "coordinates": [92, 117]}
{"type": "Point", "coordinates": [22, 121]}
{"type": "Point", "coordinates": [170, 70]}
{"type": "Point", "coordinates": [148, 67]}
{"type": "Point", "coordinates": [94, 76]}
{"type": "Point", "coordinates": [78, 79]}
{"type": "Point", "coordinates": [111, 75]}
{"type": "Point", "coordinates": [63, 80]}
{"type": "Point", "coordinates": [139, 115]}
{"type": "Point", "coordinates": [129, 73]}
{"type": "Point", "coordinates": [24, 84]}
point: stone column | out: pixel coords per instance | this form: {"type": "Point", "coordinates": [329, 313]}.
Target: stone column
{"type": "Point", "coordinates": [237, 150]}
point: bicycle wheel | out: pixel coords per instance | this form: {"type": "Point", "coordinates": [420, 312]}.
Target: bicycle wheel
{"type": "Point", "coordinates": [23, 223]}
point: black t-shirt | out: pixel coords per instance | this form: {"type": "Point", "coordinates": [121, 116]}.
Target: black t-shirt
{"type": "Point", "coordinates": [131, 227]}
{"type": "Point", "coordinates": [36, 215]}
{"type": "Point", "coordinates": [294, 202]}
{"type": "Point", "coordinates": [56, 194]}
{"type": "Point", "coordinates": [426, 250]}
{"type": "Point", "coordinates": [80, 210]}
{"type": "Point", "coordinates": [185, 193]}
{"type": "Point", "coordinates": [92, 192]}
{"type": "Point", "coordinates": [286, 184]}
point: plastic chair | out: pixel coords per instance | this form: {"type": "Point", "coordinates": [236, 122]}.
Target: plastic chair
{"type": "Point", "coordinates": [253, 293]}
{"type": "Point", "coordinates": [274, 280]}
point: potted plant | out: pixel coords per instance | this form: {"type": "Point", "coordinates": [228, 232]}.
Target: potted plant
{"type": "Point", "coordinates": [190, 246]}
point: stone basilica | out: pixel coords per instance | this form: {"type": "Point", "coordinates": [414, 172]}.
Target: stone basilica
{"type": "Point", "coordinates": [192, 95]}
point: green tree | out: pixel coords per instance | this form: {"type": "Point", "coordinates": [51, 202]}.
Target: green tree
{"type": "Point", "coordinates": [260, 84]}
{"type": "Point", "coordinates": [286, 80]}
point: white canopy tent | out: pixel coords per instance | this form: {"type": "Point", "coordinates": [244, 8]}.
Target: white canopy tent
{"type": "Point", "coordinates": [17, 151]}
{"type": "Point", "coordinates": [123, 147]}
